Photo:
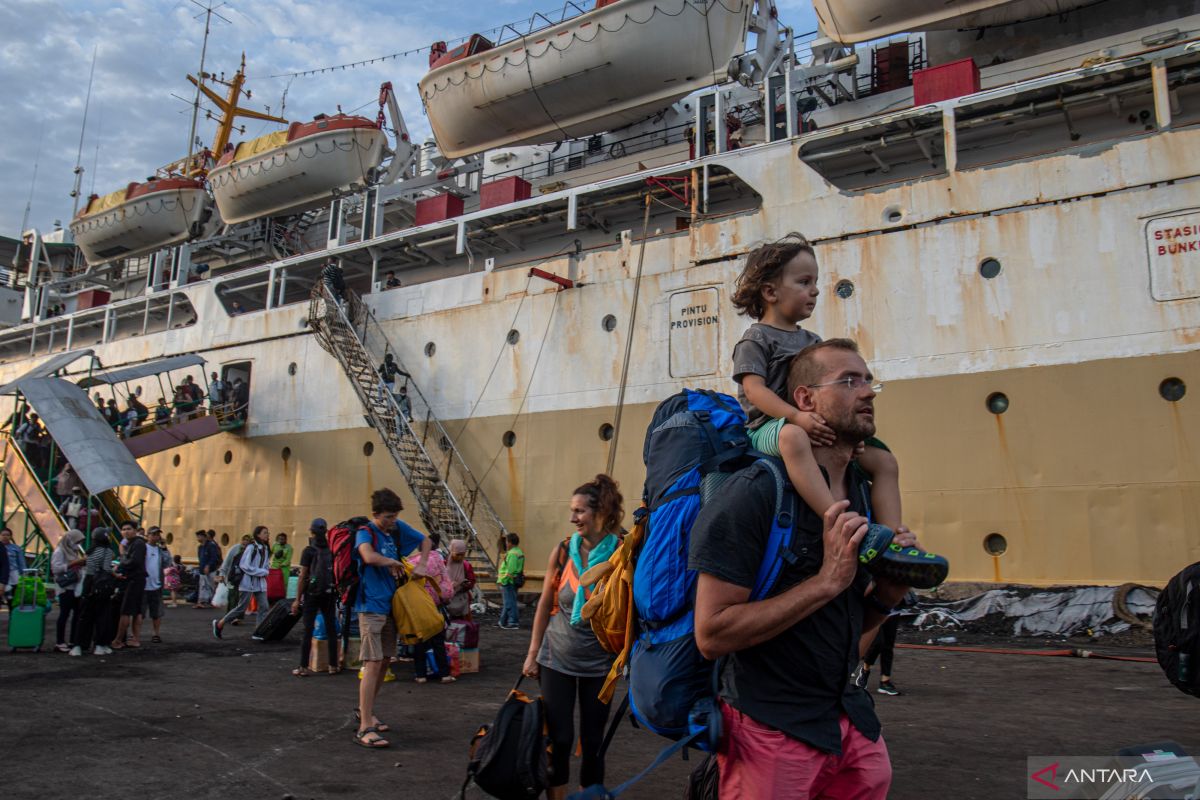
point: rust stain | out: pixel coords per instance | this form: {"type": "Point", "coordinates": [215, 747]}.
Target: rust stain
{"type": "Point", "coordinates": [1014, 478]}
{"type": "Point", "coordinates": [996, 569]}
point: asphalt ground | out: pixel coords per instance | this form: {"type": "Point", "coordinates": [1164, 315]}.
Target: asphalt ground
{"type": "Point", "coordinates": [199, 718]}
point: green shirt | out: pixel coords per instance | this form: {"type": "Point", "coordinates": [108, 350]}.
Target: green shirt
{"type": "Point", "coordinates": [513, 563]}
{"type": "Point", "coordinates": [281, 556]}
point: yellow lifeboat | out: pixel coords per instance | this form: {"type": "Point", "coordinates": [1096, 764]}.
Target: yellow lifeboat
{"type": "Point", "coordinates": [612, 66]}
{"type": "Point", "coordinates": [141, 218]}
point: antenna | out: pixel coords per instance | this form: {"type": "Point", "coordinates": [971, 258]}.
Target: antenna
{"type": "Point", "coordinates": [32, 183]}
{"type": "Point", "coordinates": [96, 156]}
{"type": "Point", "coordinates": [82, 129]}
{"type": "Point", "coordinates": [209, 12]}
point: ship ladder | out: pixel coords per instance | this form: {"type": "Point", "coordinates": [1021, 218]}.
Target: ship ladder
{"type": "Point", "coordinates": [23, 491]}
{"type": "Point", "coordinates": [449, 498]}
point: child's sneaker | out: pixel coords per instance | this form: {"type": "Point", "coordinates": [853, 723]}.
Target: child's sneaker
{"type": "Point", "coordinates": [908, 566]}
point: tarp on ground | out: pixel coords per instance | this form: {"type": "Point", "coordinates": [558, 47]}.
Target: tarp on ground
{"type": "Point", "coordinates": [99, 458]}
{"type": "Point", "coordinates": [138, 371]}
{"type": "Point", "coordinates": [46, 368]}
{"type": "Point", "coordinates": [1051, 612]}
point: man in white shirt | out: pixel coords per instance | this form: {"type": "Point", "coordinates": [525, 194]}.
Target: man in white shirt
{"type": "Point", "coordinates": [157, 560]}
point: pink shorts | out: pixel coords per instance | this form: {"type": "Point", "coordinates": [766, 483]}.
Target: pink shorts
{"type": "Point", "coordinates": [758, 762]}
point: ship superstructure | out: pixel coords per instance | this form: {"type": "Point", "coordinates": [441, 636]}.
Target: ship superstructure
{"type": "Point", "coordinates": [1004, 205]}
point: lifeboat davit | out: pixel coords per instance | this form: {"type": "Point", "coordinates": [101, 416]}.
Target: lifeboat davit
{"type": "Point", "coordinates": [853, 21]}
{"type": "Point", "coordinates": [615, 65]}
{"type": "Point", "coordinates": [141, 218]}
{"type": "Point", "coordinates": [298, 168]}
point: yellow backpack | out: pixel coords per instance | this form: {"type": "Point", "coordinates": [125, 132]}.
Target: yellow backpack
{"type": "Point", "coordinates": [417, 617]}
{"type": "Point", "coordinates": [610, 608]}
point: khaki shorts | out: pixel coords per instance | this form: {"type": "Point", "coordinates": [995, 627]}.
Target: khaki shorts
{"type": "Point", "coordinates": [378, 633]}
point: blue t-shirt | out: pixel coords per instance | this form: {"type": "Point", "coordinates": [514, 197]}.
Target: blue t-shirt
{"type": "Point", "coordinates": [378, 585]}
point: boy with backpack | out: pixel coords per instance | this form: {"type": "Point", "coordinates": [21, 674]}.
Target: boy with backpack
{"type": "Point", "coordinates": [378, 549]}
{"type": "Point", "coordinates": [317, 596]}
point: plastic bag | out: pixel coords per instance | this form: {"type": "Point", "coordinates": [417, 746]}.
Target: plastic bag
{"type": "Point", "coordinates": [221, 596]}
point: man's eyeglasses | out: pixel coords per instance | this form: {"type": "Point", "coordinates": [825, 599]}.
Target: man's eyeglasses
{"type": "Point", "coordinates": [853, 383]}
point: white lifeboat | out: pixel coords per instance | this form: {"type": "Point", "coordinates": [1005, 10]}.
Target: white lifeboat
{"type": "Point", "coordinates": [298, 168]}
{"type": "Point", "coordinates": [141, 218]}
{"type": "Point", "coordinates": [852, 21]}
{"type": "Point", "coordinates": [615, 65]}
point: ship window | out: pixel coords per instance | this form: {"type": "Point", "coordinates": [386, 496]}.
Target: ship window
{"type": "Point", "coordinates": [509, 438]}
{"type": "Point", "coordinates": [1172, 390]}
{"type": "Point", "coordinates": [997, 403]}
{"type": "Point", "coordinates": [514, 336]}
{"type": "Point", "coordinates": [368, 449]}
{"type": "Point", "coordinates": [286, 453]}
{"type": "Point", "coordinates": [844, 289]}
{"type": "Point", "coordinates": [995, 544]}
{"type": "Point", "coordinates": [606, 432]}
{"type": "Point", "coordinates": [898, 148]}
{"type": "Point", "coordinates": [170, 538]}
{"type": "Point", "coordinates": [430, 349]}
{"type": "Point", "coordinates": [292, 368]}
{"type": "Point", "coordinates": [228, 456]}
{"type": "Point", "coordinates": [609, 323]}
{"type": "Point", "coordinates": [175, 461]}
{"type": "Point", "coordinates": [989, 268]}
{"type": "Point", "coordinates": [224, 540]}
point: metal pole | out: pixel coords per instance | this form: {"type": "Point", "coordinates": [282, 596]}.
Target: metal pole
{"type": "Point", "coordinates": [637, 286]}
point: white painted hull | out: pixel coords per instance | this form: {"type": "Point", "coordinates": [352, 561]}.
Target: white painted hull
{"type": "Point", "coordinates": [852, 21]}
{"type": "Point", "coordinates": [142, 225]}
{"type": "Point", "coordinates": [600, 71]}
{"type": "Point", "coordinates": [298, 175]}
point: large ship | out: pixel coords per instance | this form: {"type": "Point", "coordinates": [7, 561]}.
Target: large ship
{"type": "Point", "coordinates": [1004, 201]}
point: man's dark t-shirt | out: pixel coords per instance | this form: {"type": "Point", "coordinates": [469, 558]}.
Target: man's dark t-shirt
{"type": "Point", "coordinates": [133, 565]}
{"type": "Point", "coordinates": [800, 681]}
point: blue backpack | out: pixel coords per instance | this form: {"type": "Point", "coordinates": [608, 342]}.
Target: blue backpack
{"type": "Point", "coordinates": [695, 442]}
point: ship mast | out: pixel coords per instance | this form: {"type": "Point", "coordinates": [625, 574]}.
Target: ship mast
{"type": "Point", "coordinates": [209, 10]}
{"type": "Point", "coordinates": [82, 131]}
{"type": "Point", "coordinates": [230, 109]}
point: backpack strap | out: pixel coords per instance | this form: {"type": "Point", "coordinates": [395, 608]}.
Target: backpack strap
{"type": "Point", "coordinates": [779, 543]}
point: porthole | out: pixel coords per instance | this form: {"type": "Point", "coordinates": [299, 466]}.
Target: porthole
{"type": "Point", "coordinates": [286, 453]}
{"type": "Point", "coordinates": [224, 540]}
{"type": "Point", "coordinates": [170, 538]}
{"type": "Point", "coordinates": [176, 460]}
{"type": "Point", "coordinates": [514, 336]}
{"type": "Point", "coordinates": [893, 214]}
{"type": "Point", "coordinates": [368, 449]}
{"type": "Point", "coordinates": [606, 432]}
{"type": "Point", "coordinates": [989, 268]}
{"type": "Point", "coordinates": [844, 289]}
{"type": "Point", "coordinates": [430, 349]}
{"type": "Point", "coordinates": [292, 368]}
{"type": "Point", "coordinates": [997, 402]}
{"type": "Point", "coordinates": [228, 456]}
{"type": "Point", "coordinates": [509, 438]}
{"type": "Point", "coordinates": [994, 544]}
{"type": "Point", "coordinates": [1172, 390]}
{"type": "Point", "coordinates": [609, 323]}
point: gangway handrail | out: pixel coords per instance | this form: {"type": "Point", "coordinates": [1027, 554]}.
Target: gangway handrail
{"type": "Point", "coordinates": [454, 456]}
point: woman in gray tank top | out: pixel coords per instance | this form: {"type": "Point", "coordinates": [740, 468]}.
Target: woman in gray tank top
{"type": "Point", "coordinates": [563, 653]}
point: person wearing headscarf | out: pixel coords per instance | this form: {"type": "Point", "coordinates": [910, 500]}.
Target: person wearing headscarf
{"type": "Point", "coordinates": [65, 567]}
{"type": "Point", "coordinates": [462, 580]}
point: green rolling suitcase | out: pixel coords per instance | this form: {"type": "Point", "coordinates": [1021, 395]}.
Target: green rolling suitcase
{"type": "Point", "coordinates": [26, 620]}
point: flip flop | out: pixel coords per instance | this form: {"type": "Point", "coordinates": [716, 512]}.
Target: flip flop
{"type": "Point", "coordinates": [301, 672]}
{"type": "Point", "coordinates": [378, 743]}
{"type": "Point", "coordinates": [117, 646]}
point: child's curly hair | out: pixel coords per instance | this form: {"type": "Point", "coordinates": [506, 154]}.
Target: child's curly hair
{"type": "Point", "coordinates": [764, 265]}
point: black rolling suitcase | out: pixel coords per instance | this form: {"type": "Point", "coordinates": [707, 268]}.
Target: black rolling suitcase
{"type": "Point", "coordinates": [277, 623]}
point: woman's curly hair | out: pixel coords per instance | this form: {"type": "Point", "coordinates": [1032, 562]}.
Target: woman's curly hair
{"type": "Point", "coordinates": [605, 499]}
{"type": "Point", "coordinates": [764, 266]}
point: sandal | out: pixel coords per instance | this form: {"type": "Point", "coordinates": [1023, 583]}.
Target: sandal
{"type": "Point", "coordinates": [377, 743]}
{"type": "Point", "coordinates": [116, 646]}
{"type": "Point", "coordinates": [301, 672]}
{"type": "Point", "coordinates": [381, 727]}
{"type": "Point", "coordinates": [156, 639]}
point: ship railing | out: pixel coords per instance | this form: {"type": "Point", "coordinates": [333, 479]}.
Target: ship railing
{"type": "Point", "coordinates": [437, 442]}
{"type": "Point", "coordinates": [537, 21]}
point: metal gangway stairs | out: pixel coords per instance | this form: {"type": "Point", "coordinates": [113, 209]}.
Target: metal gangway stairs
{"type": "Point", "coordinates": [449, 497]}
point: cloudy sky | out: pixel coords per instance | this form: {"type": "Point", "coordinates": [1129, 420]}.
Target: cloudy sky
{"type": "Point", "coordinates": [144, 50]}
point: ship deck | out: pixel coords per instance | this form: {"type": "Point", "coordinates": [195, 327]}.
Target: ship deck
{"type": "Point", "coordinates": [198, 718]}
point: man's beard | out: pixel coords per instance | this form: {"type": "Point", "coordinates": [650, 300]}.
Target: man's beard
{"type": "Point", "coordinates": [851, 428]}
